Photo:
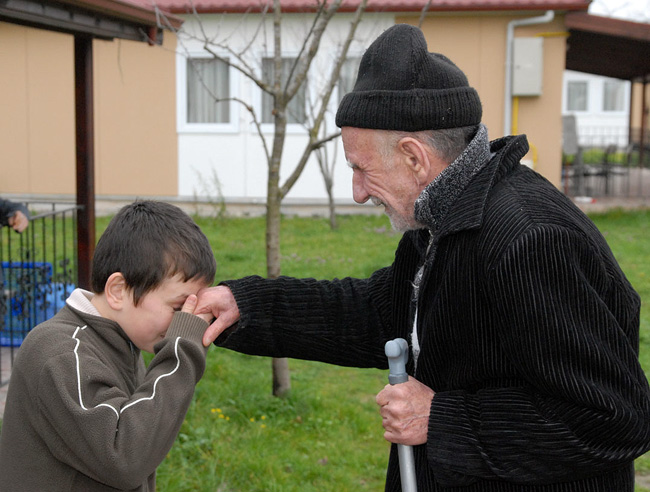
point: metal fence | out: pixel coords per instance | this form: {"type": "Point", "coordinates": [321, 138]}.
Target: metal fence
{"type": "Point", "coordinates": [601, 168]}
{"type": "Point", "coordinates": [39, 271]}
{"type": "Point", "coordinates": [602, 136]}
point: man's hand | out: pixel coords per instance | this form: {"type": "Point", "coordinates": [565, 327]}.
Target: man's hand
{"type": "Point", "coordinates": [219, 303]}
{"type": "Point", "coordinates": [190, 306]}
{"type": "Point", "coordinates": [405, 409]}
{"type": "Point", "coordinates": [18, 221]}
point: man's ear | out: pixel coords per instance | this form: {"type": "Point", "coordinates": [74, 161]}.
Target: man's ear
{"type": "Point", "coordinates": [116, 291]}
{"type": "Point", "coordinates": [416, 158]}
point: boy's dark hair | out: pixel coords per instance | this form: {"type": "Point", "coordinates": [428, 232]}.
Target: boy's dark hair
{"type": "Point", "coordinates": [148, 242]}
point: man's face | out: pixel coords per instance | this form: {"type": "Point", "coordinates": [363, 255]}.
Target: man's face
{"type": "Point", "coordinates": [386, 181]}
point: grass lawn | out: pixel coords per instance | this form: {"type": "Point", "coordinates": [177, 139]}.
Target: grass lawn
{"type": "Point", "coordinates": [627, 234]}
{"type": "Point", "coordinates": [326, 435]}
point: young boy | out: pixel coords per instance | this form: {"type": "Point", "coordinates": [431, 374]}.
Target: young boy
{"type": "Point", "coordinates": [83, 413]}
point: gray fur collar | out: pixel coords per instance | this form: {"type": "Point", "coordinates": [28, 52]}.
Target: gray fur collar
{"type": "Point", "coordinates": [432, 205]}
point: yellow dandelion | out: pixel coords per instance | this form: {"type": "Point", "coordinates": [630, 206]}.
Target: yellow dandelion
{"type": "Point", "coordinates": [213, 410]}
{"type": "Point", "coordinates": [263, 417]}
{"type": "Point", "coordinates": [252, 419]}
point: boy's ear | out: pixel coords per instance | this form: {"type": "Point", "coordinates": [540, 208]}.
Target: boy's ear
{"type": "Point", "coordinates": [116, 291]}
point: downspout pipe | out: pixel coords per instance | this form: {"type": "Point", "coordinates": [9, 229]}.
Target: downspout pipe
{"type": "Point", "coordinates": [510, 35]}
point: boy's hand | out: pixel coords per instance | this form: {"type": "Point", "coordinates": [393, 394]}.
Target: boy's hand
{"type": "Point", "coordinates": [219, 303]}
{"type": "Point", "coordinates": [190, 306]}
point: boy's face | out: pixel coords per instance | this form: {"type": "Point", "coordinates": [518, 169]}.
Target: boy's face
{"type": "Point", "coordinates": [146, 324]}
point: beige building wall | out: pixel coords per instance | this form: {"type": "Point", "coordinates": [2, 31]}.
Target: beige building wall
{"type": "Point", "coordinates": [477, 44]}
{"type": "Point", "coordinates": [135, 122]}
{"type": "Point", "coordinates": [136, 145]}
{"type": "Point", "coordinates": [37, 118]}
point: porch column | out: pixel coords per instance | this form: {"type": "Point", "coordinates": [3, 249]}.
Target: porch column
{"type": "Point", "coordinates": [85, 152]}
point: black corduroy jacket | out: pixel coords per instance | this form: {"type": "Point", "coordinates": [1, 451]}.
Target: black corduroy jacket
{"type": "Point", "coordinates": [528, 330]}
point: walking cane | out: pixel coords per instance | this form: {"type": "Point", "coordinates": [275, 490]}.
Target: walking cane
{"type": "Point", "coordinates": [397, 353]}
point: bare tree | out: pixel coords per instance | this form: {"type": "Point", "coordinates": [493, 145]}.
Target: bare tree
{"type": "Point", "coordinates": [282, 87]}
{"type": "Point", "coordinates": [326, 164]}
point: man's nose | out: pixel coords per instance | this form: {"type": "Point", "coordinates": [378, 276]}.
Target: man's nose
{"type": "Point", "coordinates": [359, 192]}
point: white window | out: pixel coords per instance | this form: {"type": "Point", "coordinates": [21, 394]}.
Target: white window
{"type": "Point", "coordinates": [348, 75]}
{"type": "Point", "coordinates": [208, 90]}
{"type": "Point", "coordinates": [206, 87]}
{"type": "Point", "coordinates": [577, 96]}
{"type": "Point", "coordinates": [614, 95]}
{"type": "Point", "coordinates": [296, 110]}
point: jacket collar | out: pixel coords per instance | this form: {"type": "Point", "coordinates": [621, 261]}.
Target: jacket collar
{"type": "Point", "coordinates": [435, 201]}
{"type": "Point", "coordinates": [107, 329]}
{"type": "Point", "coordinates": [455, 200]}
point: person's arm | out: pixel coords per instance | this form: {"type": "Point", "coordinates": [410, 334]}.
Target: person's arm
{"type": "Point", "coordinates": [344, 322]}
{"type": "Point", "coordinates": [117, 437]}
{"type": "Point", "coordinates": [585, 406]}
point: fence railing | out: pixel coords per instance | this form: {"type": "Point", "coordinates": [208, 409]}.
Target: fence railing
{"type": "Point", "coordinates": [602, 136]}
{"type": "Point", "coordinates": [39, 271]}
{"type": "Point", "coordinates": [604, 169]}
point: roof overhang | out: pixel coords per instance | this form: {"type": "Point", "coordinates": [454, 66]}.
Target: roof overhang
{"type": "Point", "coordinates": [606, 46]}
{"type": "Point", "coordinates": [246, 6]}
{"type": "Point", "coordinates": [104, 19]}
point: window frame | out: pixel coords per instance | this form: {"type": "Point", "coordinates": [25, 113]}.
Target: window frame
{"type": "Point", "coordinates": [587, 95]}
{"type": "Point", "coordinates": [292, 128]}
{"type": "Point", "coordinates": [624, 96]}
{"type": "Point", "coordinates": [183, 125]}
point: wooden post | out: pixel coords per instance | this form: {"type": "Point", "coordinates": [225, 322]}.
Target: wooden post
{"type": "Point", "coordinates": [85, 152]}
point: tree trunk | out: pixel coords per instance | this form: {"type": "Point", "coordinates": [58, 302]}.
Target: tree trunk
{"type": "Point", "coordinates": [329, 187]}
{"type": "Point", "coordinates": [281, 374]}
{"type": "Point", "coordinates": [328, 179]}
{"type": "Point", "coordinates": [283, 88]}
{"type": "Point", "coordinates": [332, 208]}
{"type": "Point", "coordinates": [281, 377]}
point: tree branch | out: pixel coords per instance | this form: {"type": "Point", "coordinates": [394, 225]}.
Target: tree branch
{"type": "Point", "coordinates": [325, 99]}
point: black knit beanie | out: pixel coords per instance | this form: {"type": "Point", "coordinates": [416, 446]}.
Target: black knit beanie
{"type": "Point", "coordinates": [401, 86]}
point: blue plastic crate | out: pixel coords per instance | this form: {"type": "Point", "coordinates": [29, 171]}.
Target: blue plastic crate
{"type": "Point", "coordinates": [30, 297]}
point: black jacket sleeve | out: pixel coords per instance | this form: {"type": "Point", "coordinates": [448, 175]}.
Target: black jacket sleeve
{"type": "Point", "coordinates": [344, 321]}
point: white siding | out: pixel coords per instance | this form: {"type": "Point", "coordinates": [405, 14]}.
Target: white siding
{"type": "Point", "coordinates": [233, 153]}
{"type": "Point", "coordinates": [596, 126]}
